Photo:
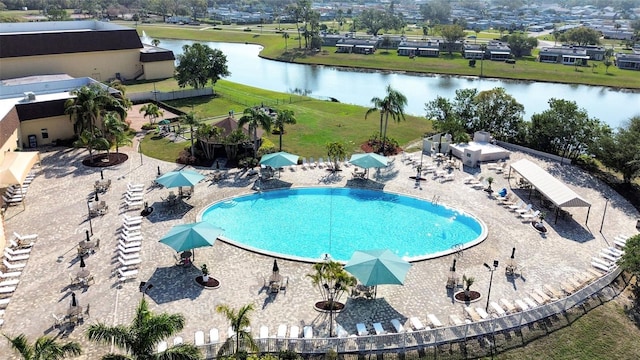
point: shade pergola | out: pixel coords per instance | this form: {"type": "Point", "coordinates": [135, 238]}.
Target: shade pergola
{"type": "Point", "coordinates": [16, 166]}
{"type": "Point", "coordinates": [550, 187]}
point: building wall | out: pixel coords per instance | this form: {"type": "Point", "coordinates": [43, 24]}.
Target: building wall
{"type": "Point", "coordinates": [57, 127]}
{"type": "Point", "coordinates": [100, 66]}
{"type": "Point", "coordinates": [158, 70]}
{"type": "Point", "coordinates": [8, 132]}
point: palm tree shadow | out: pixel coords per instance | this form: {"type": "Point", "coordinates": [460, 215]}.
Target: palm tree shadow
{"type": "Point", "coordinates": [174, 283]}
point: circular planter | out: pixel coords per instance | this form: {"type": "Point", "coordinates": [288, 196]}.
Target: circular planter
{"type": "Point", "coordinates": [323, 306]}
{"type": "Point", "coordinates": [539, 227]}
{"type": "Point", "coordinates": [210, 284]}
{"type": "Point", "coordinates": [461, 298]}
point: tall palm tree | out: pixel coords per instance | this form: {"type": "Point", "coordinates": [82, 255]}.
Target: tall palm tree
{"type": "Point", "coordinates": [239, 324]}
{"type": "Point", "coordinates": [190, 119]}
{"type": "Point", "coordinates": [45, 348]}
{"type": "Point", "coordinates": [115, 130]}
{"type": "Point", "coordinates": [283, 117]}
{"type": "Point", "coordinates": [152, 111]}
{"type": "Point", "coordinates": [255, 117]}
{"type": "Point", "coordinates": [392, 105]}
{"type": "Point", "coordinates": [285, 36]}
{"type": "Point", "coordinates": [139, 340]}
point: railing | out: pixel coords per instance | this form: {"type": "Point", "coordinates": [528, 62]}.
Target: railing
{"type": "Point", "coordinates": [419, 340]}
{"type": "Point", "coordinates": [170, 95]}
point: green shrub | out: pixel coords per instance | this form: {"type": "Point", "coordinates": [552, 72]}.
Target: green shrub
{"type": "Point", "coordinates": [148, 126]}
{"type": "Point", "coordinates": [267, 147]}
{"type": "Point", "coordinates": [586, 162]}
{"type": "Point", "coordinates": [247, 162]}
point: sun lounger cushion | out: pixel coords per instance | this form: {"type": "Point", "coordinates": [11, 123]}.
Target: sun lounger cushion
{"type": "Point", "coordinates": [378, 328]}
{"type": "Point", "coordinates": [361, 329]}
{"type": "Point", "coordinates": [214, 336]}
{"type": "Point", "coordinates": [416, 323]}
{"type": "Point", "coordinates": [294, 332]}
{"type": "Point", "coordinates": [397, 325]}
{"type": "Point", "coordinates": [308, 332]}
{"type": "Point", "coordinates": [282, 331]}
{"type": "Point", "coordinates": [198, 338]}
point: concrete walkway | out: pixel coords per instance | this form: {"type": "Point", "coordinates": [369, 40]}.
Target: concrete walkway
{"type": "Point", "coordinates": [56, 209]}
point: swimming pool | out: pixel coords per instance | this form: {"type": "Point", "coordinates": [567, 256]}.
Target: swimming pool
{"type": "Point", "coordinates": [306, 223]}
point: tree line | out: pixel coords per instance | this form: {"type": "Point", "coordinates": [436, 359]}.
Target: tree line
{"type": "Point", "coordinates": [563, 129]}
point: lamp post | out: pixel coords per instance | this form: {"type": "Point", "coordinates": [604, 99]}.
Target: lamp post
{"type": "Point", "coordinates": [495, 267]}
{"type": "Point", "coordinates": [144, 287]}
{"type": "Point", "coordinates": [604, 213]}
{"type": "Point", "coordinates": [89, 213]}
{"type": "Point", "coordinates": [331, 293]}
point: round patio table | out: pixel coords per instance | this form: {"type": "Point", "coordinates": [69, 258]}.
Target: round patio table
{"type": "Point", "coordinates": [186, 255]}
{"type": "Point", "coordinates": [84, 273]}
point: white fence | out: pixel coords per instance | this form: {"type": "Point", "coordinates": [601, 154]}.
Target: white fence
{"type": "Point", "coordinates": [171, 95]}
{"type": "Point", "coordinates": [420, 340]}
{"type": "Point", "coordinates": [542, 154]}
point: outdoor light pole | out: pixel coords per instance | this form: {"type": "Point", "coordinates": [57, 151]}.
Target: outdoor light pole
{"type": "Point", "coordinates": [89, 213]}
{"type": "Point", "coordinates": [604, 213]}
{"type": "Point", "coordinates": [331, 293]}
{"type": "Point", "coordinates": [495, 267]}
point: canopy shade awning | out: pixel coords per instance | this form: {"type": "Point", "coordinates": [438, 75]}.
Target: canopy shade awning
{"type": "Point", "coordinates": [550, 187]}
{"type": "Point", "coordinates": [553, 189]}
{"type": "Point", "coordinates": [16, 166]}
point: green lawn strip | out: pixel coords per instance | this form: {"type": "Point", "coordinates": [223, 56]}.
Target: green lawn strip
{"type": "Point", "coordinates": [603, 333]}
{"type": "Point", "coordinates": [524, 69]}
{"type": "Point", "coordinates": [318, 122]}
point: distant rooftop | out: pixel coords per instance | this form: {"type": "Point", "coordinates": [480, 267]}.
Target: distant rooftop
{"type": "Point", "coordinates": [57, 26]}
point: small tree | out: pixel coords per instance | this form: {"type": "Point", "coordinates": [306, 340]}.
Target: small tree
{"type": "Point", "coordinates": [240, 323]}
{"type": "Point", "coordinates": [190, 119]}
{"type": "Point", "coordinates": [489, 181]}
{"type": "Point", "coordinates": [467, 282]}
{"type": "Point", "coordinates": [152, 111]}
{"type": "Point", "coordinates": [283, 117]}
{"type": "Point", "coordinates": [630, 260]}
{"type": "Point", "coordinates": [335, 152]}
{"type": "Point", "coordinates": [334, 276]}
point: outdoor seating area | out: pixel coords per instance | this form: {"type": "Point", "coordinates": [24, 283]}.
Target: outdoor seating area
{"type": "Point", "coordinates": [13, 263]}
{"type": "Point", "coordinates": [15, 194]}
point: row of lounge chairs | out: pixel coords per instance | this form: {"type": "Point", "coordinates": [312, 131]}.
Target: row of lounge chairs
{"type": "Point", "coordinates": [16, 193]}
{"type": "Point", "coordinates": [18, 250]}
{"type": "Point", "coordinates": [321, 164]}
{"type": "Point", "coordinates": [130, 236]}
{"type": "Point", "coordinates": [607, 259]}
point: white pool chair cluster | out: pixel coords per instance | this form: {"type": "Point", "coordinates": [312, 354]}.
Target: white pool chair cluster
{"type": "Point", "coordinates": [129, 247]}
{"type": "Point", "coordinates": [14, 260]}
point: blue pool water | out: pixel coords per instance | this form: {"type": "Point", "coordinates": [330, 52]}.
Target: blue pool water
{"type": "Point", "coordinates": [310, 222]}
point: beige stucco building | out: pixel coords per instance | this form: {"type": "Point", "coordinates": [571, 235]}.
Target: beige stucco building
{"type": "Point", "coordinates": [100, 50]}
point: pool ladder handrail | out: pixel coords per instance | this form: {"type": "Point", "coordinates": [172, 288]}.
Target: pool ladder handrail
{"type": "Point", "coordinates": [435, 199]}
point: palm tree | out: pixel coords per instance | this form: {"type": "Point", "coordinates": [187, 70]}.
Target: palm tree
{"type": "Point", "coordinates": [139, 340]}
{"type": "Point", "coordinates": [155, 42]}
{"type": "Point", "coordinates": [285, 36]}
{"type": "Point", "coordinates": [116, 130]}
{"type": "Point", "coordinates": [152, 111]}
{"type": "Point", "coordinates": [392, 105]}
{"type": "Point", "coordinates": [239, 324]}
{"type": "Point", "coordinates": [283, 117]}
{"type": "Point", "coordinates": [334, 275]}
{"type": "Point", "coordinates": [45, 348]}
{"type": "Point", "coordinates": [190, 119]}
{"type": "Point", "coordinates": [255, 117]}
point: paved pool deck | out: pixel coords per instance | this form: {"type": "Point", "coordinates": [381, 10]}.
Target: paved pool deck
{"type": "Point", "coordinates": [56, 210]}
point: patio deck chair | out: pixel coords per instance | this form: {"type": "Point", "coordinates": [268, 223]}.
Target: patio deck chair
{"type": "Point", "coordinates": [162, 346]}
{"type": "Point", "coordinates": [282, 331]}
{"type": "Point", "coordinates": [198, 338]}
{"type": "Point", "coordinates": [20, 244]}
{"type": "Point", "coordinates": [516, 206]}
{"type": "Point", "coordinates": [13, 266]}
{"type": "Point", "coordinates": [15, 252]}
{"type": "Point", "coordinates": [320, 163]}
{"type": "Point", "coordinates": [131, 262]}
{"type": "Point", "coordinates": [5, 275]}
{"type": "Point", "coordinates": [125, 274]}
{"type": "Point", "coordinates": [129, 250]}
{"type": "Point", "coordinates": [12, 258]}
{"type": "Point", "coordinates": [530, 216]}
{"type": "Point", "coordinates": [307, 332]}
{"type": "Point", "coordinates": [416, 323]}
{"type": "Point", "coordinates": [129, 256]}
{"type": "Point", "coordinates": [7, 290]}
{"type": "Point", "coordinates": [312, 163]}
{"type": "Point", "coordinates": [377, 327]}
{"type": "Point", "coordinates": [130, 244]}
{"type": "Point", "coordinates": [497, 309]}
{"type": "Point", "coordinates": [507, 305]}
{"type": "Point", "coordinates": [264, 332]}
{"type": "Point", "coordinates": [294, 332]}
{"type": "Point", "coordinates": [521, 305]}
{"type": "Point", "coordinates": [361, 329]}
{"type": "Point", "coordinates": [434, 320]}
{"type": "Point", "coordinates": [177, 340]}
{"type": "Point", "coordinates": [524, 210]}
{"type": "Point", "coordinates": [482, 313]}
{"type": "Point", "coordinates": [341, 332]}
{"type": "Point", "coordinates": [58, 320]}
{"type": "Point", "coordinates": [397, 326]}
{"type": "Point", "coordinates": [214, 336]}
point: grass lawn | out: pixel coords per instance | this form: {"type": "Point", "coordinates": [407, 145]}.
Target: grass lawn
{"type": "Point", "coordinates": [318, 122]}
{"type": "Point", "coordinates": [524, 69]}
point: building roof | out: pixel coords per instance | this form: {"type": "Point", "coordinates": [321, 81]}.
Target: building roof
{"type": "Point", "coordinates": [153, 53]}
{"type": "Point", "coordinates": [229, 125]}
{"type": "Point", "coordinates": [64, 37]}
{"type": "Point", "coordinates": [553, 189]}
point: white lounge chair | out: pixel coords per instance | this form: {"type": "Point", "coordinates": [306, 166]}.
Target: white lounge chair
{"type": "Point", "coordinates": [294, 332]}
{"type": "Point", "coordinates": [133, 204]}
{"type": "Point", "coordinates": [131, 262]}
{"type": "Point", "coordinates": [214, 335]}
{"type": "Point", "coordinates": [126, 274]}
{"type": "Point", "coordinates": [530, 302]}
{"type": "Point", "coordinates": [17, 251]}
{"type": "Point", "coordinates": [447, 177]}
{"type": "Point", "coordinates": [516, 206]}
{"type": "Point", "coordinates": [129, 256]}
{"type": "Point", "coordinates": [377, 327]}
{"type": "Point", "coordinates": [434, 320]}
{"type": "Point", "coordinates": [482, 312]}
{"type": "Point", "coordinates": [307, 332]}
{"type": "Point", "coordinates": [131, 228]}
{"type": "Point", "coordinates": [497, 309]}
{"type": "Point", "coordinates": [304, 163]}
{"type": "Point", "coordinates": [4, 302]}
{"type": "Point", "coordinates": [361, 329]}
{"type": "Point", "coordinates": [162, 346]}
{"type": "Point", "coordinates": [471, 313]}
{"type": "Point", "coordinates": [524, 210]}
{"type": "Point", "coordinates": [397, 325]}
{"type": "Point", "coordinates": [138, 187]}
{"type": "Point", "coordinates": [13, 266]}
{"type": "Point", "coordinates": [198, 338]}
{"type": "Point", "coordinates": [131, 238]}
{"type": "Point", "coordinates": [455, 320]}
{"type": "Point", "coordinates": [12, 258]}
{"type": "Point", "coordinates": [11, 282]}
{"type": "Point", "coordinates": [129, 250]}
{"type": "Point", "coordinates": [320, 163]}
{"type": "Point", "coordinates": [507, 305]}
{"type": "Point", "coordinates": [605, 256]}
{"type": "Point", "coordinates": [416, 323]}
{"type": "Point", "coordinates": [530, 216]}
{"type": "Point", "coordinates": [130, 234]}
{"type": "Point", "coordinates": [7, 289]}
{"type": "Point", "coordinates": [543, 295]}
{"type": "Point", "coordinates": [6, 275]}
{"type": "Point", "coordinates": [132, 222]}
{"type": "Point", "coordinates": [177, 340]}
{"type": "Point", "coordinates": [264, 332]}
{"type": "Point", "coordinates": [599, 266]}
{"type": "Point", "coordinates": [282, 331]}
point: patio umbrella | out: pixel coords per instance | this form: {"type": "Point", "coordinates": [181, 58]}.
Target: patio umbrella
{"type": "Point", "coordinates": [190, 236]}
{"type": "Point", "coordinates": [180, 178]}
{"type": "Point", "coordinates": [368, 160]}
{"type": "Point", "coordinates": [82, 264]}
{"type": "Point", "coordinates": [276, 269]}
{"type": "Point", "coordinates": [278, 160]}
{"type": "Point", "coordinates": [74, 302]}
{"type": "Point", "coordinates": [377, 267]}
{"type": "Point", "coordinates": [164, 122]}
{"type": "Point", "coordinates": [513, 256]}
